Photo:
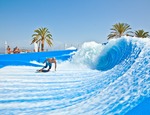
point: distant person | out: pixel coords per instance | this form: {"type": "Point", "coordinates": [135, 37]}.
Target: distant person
{"type": "Point", "coordinates": [16, 50]}
{"type": "Point", "coordinates": [48, 62]}
{"type": "Point", "coordinates": [9, 50]}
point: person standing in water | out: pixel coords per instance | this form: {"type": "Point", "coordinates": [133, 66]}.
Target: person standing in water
{"type": "Point", "coordinates": [48, 62]}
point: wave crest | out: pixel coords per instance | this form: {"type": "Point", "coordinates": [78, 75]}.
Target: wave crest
{"type": "Point", "coordinates": [113, 53]}
{"type": "Point", "coordinates": [105, 57]}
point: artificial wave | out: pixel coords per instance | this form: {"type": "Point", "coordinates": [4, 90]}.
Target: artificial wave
{"type": "Point", "coordinates": [96, 80]}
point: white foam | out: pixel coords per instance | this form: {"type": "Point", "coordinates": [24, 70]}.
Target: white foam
{"type": "Point", "coordinates": [87, 54]}
{"type": "Point", "coordinates": [75, 88]}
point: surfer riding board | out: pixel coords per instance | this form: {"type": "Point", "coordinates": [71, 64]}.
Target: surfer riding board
{"type": "Point", "coordinates": [48, 62]}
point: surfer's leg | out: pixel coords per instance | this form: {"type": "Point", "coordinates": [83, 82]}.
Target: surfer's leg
{"type": "Point", "coordinates": [50, 65]}
{"type": "Point", "coordinates": [42, 70]}
{"type": "Point", "coordinates": [44, 67]}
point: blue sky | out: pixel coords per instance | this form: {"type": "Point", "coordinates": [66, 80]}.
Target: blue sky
{"type": "Point", "coordinates": [69, 21]}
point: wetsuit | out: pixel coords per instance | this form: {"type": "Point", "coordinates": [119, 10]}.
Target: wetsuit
{"type": "Point", "coordinates": [49, 65]}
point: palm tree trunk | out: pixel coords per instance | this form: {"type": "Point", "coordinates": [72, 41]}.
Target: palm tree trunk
{"type": "Point", "coordinates": [42, 45]}
{"type": "Point", "coordinates": [39, 46]}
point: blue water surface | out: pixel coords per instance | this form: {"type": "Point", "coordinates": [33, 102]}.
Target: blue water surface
{"type": "Point", "coordinates": [96, 79]}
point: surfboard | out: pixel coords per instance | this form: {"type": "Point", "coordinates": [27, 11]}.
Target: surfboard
{"type": "Point", "coordinates": [37, 71]}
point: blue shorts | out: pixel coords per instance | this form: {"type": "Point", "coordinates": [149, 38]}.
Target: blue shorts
{"type": "Point", "coordinates": [48, 64]}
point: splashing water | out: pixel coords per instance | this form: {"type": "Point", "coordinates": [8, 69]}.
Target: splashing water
{"type": "Point", "coordinates": [98, 80]}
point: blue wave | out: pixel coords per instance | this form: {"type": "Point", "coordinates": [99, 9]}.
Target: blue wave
{"type": "Point", "coordinates": [122, 61]}
{"type": "Point", "coordinates": [115, 52]}
{"type": "Point", "coordinates": [130, 58]}
{"type": "Point", "coordinates": [117, 81]}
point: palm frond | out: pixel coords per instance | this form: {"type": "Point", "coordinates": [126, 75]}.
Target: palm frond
{"type": "Point", "coordinates": [119, 29]}
{"type": "Point", "coordinates": [141, 34]}
{"type": "Point", "coordinates": [40, 35]}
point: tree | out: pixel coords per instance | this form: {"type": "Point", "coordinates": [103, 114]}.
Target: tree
{"type": "Point", "coordinates": [141, 34]}
{"type": "Point", "coordinates": [120, 29]}
{"type": "Point", "coordinates": [41, 35]}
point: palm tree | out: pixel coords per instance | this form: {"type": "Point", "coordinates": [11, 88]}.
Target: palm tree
{"type": "Point", "coordinates": [120, 29]}
{"type": "Point", "coordinates": [42, 34]}
{"type": "Point", "coordinates": [141, 34]}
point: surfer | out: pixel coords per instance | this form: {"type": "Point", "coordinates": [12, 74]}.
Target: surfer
{"type": "Point", "coordinates": [48, 62]}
